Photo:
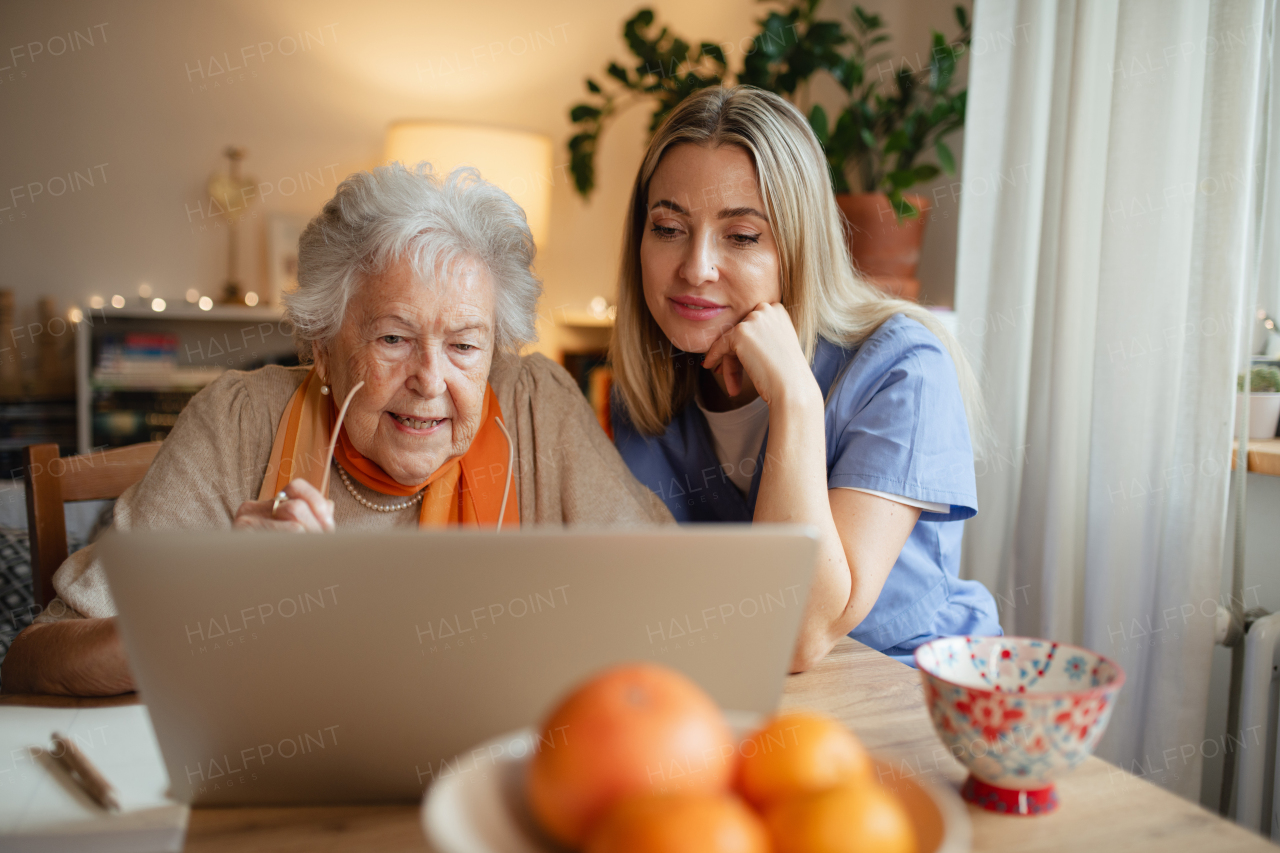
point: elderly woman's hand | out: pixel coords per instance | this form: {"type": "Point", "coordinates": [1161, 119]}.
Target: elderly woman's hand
{"type": "Point", "coordinates": [305, 511]}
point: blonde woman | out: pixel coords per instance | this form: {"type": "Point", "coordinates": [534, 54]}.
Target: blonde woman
{"type": "Point", "coordinates": [759, 379]}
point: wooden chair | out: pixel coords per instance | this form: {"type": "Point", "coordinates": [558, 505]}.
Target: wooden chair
{"type": "Point", "coordinates": [52, 480]}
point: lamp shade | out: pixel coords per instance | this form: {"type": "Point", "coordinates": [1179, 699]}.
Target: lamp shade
{"type": "Point", "coordinates": [517, 161]}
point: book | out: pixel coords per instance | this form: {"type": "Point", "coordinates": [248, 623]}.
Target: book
{"type": "Point", "coordinates": [138, 352]}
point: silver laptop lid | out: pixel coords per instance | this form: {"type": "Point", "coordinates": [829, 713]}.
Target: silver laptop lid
{"type": "Point", "coordinates": [284, 668]}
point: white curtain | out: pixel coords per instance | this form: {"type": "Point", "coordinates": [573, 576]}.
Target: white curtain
{"type": "Point", "coordinates": [1101, 291]}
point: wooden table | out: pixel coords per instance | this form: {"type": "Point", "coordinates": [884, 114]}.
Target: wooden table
{"type": "Point", "coordinates": [1103, 807]}
{"type": "Point", "coordinates": [1264, 456]}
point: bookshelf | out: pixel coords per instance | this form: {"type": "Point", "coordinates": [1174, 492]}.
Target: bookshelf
{"type": "Point", "coordinates": [34, 420]}
{"type": "Point", "coordinates": [137, 368]}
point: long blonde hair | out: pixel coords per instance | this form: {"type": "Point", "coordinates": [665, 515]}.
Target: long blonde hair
{"type": "Point", "coordinates": [821, 291]}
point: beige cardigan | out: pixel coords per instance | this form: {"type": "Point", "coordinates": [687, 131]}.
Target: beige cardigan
{"type": "Point", "coordinates": [567, 471]}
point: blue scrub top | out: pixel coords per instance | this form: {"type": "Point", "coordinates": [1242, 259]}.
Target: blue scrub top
{"type": "Point", "coordinates": [895, 423]}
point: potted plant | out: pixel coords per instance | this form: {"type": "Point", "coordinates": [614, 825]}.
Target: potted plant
{"type": "Point", "coordinates": [1264, 401]}
{"type": "Point", "coordinates": [876, 145]}
{"type": "Point", "coordinates": [667, 71]}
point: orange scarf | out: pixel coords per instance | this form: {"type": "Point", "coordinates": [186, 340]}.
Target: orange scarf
{"type": "Point", "coordinates": [466, 491]}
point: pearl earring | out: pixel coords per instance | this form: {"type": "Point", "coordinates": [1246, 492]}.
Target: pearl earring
{"type": "Point", "coordinates": [324, 389]}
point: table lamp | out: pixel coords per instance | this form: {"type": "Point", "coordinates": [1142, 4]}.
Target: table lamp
{"type": "Point", "coordinates": [517, 161]}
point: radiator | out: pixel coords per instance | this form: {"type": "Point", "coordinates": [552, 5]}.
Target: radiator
{"type": "Point", "coordinates": [1256, 764]}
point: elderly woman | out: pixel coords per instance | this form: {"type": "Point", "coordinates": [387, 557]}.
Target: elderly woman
{"type": "Point", "coordinates": [418, 292]}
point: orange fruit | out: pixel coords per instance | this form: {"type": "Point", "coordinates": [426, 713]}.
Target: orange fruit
{"type": "Point", "coordinates": [851, 818]}
{"type": "Point", "coordinates": [799, 754]}
{"type": "Point", "coordinates": [632, 729]}
{"type": "Point", "coordinates": [680, 823]}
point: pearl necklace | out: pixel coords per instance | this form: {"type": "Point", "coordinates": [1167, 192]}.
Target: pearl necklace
{"type": "Point", "coordinates": [396, 507]}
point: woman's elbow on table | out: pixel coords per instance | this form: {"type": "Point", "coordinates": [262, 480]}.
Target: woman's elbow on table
{"type": "Point", "coordinates": [820, 633]}
{"type": "Point", "coordinates": [74, 657]}
{"type": "Point", "coordinates": [810, 650]}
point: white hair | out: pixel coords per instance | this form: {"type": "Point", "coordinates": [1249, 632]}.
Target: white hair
{"type": "Point", "coordinates": [379, 217]}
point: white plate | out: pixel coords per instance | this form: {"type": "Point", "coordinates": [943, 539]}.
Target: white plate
{"type": "Point", "coordinates": [477, 804]}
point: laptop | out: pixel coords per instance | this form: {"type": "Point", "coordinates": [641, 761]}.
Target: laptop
{"type": "Point", "coordinates": [359, 667]}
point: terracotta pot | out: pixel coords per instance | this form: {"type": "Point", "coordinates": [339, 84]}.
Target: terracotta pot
{"type": "Point", "coordinates": [885, 251]}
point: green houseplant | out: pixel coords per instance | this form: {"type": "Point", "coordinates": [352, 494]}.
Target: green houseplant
{"type": "Point", "coordinates": [1262, 380]}
{"type": "Point", "coordinates": [667, 70]}
{"type": "Point", "coordinates": [877, 141]}
{"type": "Point", "coordinates": [879, 144]}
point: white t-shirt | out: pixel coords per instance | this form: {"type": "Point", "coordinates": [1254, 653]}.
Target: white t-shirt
{"type": "Point", "coordinates": [737, 435]}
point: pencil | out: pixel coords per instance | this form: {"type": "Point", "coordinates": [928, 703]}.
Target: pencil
{"type": "Point", "coordinates": [83, 772]}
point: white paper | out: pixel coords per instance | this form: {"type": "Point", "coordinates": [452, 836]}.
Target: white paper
{"type": "Point", "coordinates": [42, 808]}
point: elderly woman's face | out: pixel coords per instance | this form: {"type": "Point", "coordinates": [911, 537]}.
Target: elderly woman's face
{"type": "Point", "coordinates": [424, 353]}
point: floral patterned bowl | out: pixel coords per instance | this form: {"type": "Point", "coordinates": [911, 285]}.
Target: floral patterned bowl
{"type": "Point", "coordinates": [1018, 712]}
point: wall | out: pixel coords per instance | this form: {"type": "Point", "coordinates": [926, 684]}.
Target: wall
{"type": "Point", "coordinates": [141, 103]}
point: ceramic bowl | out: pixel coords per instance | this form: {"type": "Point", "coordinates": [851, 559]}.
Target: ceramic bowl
{"type": "Point", "coordinates": [1018, 712]}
